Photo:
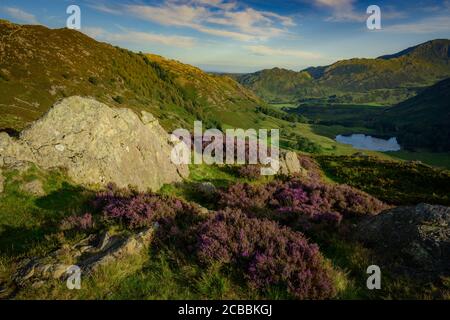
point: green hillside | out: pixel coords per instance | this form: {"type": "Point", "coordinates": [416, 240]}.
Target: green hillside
{"type": "Point", "coordinates": [280, 85]}
{"type": "Point", "coordinates": [39, 66]}
{"type": "Point", "coordinates": [386, 80]}
{"type": "Point", "coordinates": [422, 121]}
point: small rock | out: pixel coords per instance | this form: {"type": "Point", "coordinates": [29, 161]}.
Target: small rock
{"type": "Point", "coordinates": [203, 210]}
{"type": "Point", "coordinates": [59, 270]}
{"type": "Point", "coordinates": [290, 164]}
{"type": "Point", "coordinates": [38, 284]}
{"type": "Point", "coordinates": [34, 187]}
{"type": "Point", "coordinates": [104, 242]}
{"type": "Point", "coordinates": [206, 189]}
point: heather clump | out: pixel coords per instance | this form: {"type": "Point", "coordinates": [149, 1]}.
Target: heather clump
{"type": "Point", "coordinates": [246, 197]}
{"type": "Point", "coordinates": [137, 209]}
{"type": "Point", "coordinates": [83, 222]}
{"type": "Point", "coordinates": [269, 255]}
{"type": "Point", "coordinates": [250, 171]}
{"type": "Point", "coordinates": [315, 198]}
{"type": "Point", "coordinates": [301, 201]}
{"type": "Point", "coordinates": [312, 167]}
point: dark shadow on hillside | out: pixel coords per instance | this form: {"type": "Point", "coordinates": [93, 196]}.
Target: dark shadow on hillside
{"type": "Point", "coordinates": [18, 240]}
{"type": "Point", "coordinates": [191, 193]}
{"type": "Point", "coordinates": [67, 198]}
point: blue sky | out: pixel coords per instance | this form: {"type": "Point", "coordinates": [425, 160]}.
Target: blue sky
{"type": "Point", "coordinates": [248, 35]}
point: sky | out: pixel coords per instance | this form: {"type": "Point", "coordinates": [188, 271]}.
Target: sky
{"type": "Point", "coordinates": [248, 35]}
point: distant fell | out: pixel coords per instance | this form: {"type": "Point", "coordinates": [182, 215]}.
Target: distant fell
{"type": "Point", "coordinates": [386, 80]}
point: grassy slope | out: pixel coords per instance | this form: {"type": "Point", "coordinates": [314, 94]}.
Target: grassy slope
{"type": "Point", "coordinates": [393, 182]}
{"type": "Point", "coordinates": [38, 66]}
{"type": "Point", "coordinates": [161, 273]}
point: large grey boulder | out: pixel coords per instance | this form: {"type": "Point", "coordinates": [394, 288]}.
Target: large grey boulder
{"type": "Point", "coordinates": [97, 145]}
{"type": "Point", "coordinates": [413, 239]}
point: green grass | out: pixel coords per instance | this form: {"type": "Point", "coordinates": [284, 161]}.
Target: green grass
{"type": "Point", "coordinates": [25, 220]}
{"type": "Point", "coordinates": [394, 182]}
{"type": "Point", "coordinates": [151, 275]}
{"type": "Point", "coordinates": [431, 158]}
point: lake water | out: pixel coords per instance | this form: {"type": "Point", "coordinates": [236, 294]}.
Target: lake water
{"type": "Point", "coordinates": [361, 141]}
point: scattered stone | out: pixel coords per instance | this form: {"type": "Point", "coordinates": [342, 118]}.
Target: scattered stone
{"type": "Point", "coordinates": [206, 189]}
{"type": "Point", "coordinates": [416, 239]}
{"type": "Point", "coordinates": [88, 254]}
{"type": "Point", "coordinates": [97, 145]}
{"type": "Point", "coordinates": [290, 164]}
{"type": "Point", "coordinates": [204, 211]}
{"type": "Point", "coordinates": [34, 188]}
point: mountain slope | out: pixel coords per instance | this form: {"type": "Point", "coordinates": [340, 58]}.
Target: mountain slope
{"type": "Point", "coordinates": [385, 80]}
{"type": "Point", "coordinates": [269, 83]}
{"type": "Point", "coordinates": [422, 121]}
{"type": "Point", "coordinates": [220, 96]}
{"type": "Point", "coordinates": [39, 66]}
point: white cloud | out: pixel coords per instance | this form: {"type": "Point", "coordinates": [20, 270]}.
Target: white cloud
{"type": "Point", "coordinates": [424, 26]}
{"type": "Point", "coordinates": [214, 17]}
{"type": "Point", "coordinates": [21, 15]}
{"type": "Point", "coordinates": [342, 10]}
{"type": "Point", "coordinates": [215, 4]}
{"type": "Point", "coordinates": [253, 22]}
{"type": "Point", "coordinates": [169, 14]}
{"type": "Point", "coordinates": [138, 37]}
{"type": "Point", "coordinates": [268, 51]}
{"type": "Point", "coordinates": [103, 8]}
{"type": "Point", "coordinates": [346, 11]}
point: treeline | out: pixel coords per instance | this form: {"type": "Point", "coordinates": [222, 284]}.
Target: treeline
{"type": "Point", "coordinates": [290, 117]}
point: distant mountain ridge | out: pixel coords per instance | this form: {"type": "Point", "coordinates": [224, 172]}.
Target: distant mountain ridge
{"type": "Point", "coordinates": [433, 49]}
{"type": "Point", "coordinates": [387, 80]}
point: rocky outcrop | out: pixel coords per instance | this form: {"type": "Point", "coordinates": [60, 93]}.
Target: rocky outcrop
{"type": "Point", "coordinates": [414, 239]}
{"type": "Point", "coordinates": [97, 145]}
{"type": "Point", "coordinates": [89, 254]}
{"type": "Point", "coordinates": [290, 164]}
